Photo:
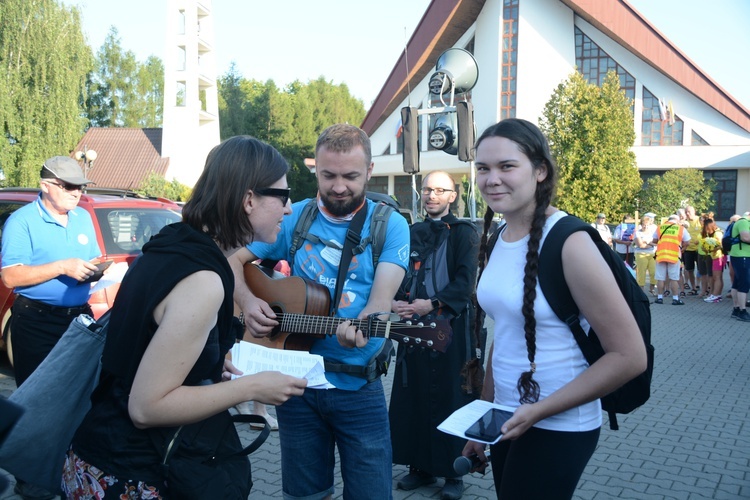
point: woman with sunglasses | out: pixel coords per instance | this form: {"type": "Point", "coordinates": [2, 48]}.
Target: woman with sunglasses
{"type": "Point", "coordinates": [171, 327]}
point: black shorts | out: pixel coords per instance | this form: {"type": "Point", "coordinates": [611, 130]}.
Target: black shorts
{"type": "Point", "coordinates": [689, 258]}
{"type": "Point", "coordinates": [705, 265]}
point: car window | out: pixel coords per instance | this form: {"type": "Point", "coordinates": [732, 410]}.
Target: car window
{"type": "Point", "coordinates": [127, 230]}
{"type": "Point", "coordinates": [6, 209]}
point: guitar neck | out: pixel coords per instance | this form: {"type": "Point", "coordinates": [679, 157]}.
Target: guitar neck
{"type": "Point", "coordinates": [326, 325]}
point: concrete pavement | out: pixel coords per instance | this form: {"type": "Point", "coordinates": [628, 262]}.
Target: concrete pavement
{"type": "Point", "coordinates": [690, 441]}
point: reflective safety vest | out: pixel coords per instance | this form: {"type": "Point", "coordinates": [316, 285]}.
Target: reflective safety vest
{"type": "Point", "coordinates": [670, 239]}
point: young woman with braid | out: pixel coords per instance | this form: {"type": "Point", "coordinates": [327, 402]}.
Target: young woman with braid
{"type": "Point", "coordinates": [535, 364]}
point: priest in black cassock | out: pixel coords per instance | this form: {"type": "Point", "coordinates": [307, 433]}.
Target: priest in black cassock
{"type": "Point", "coordinates": [428, 385]}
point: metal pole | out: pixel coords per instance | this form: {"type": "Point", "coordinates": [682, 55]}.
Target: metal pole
{"type": "Point", "coordinates": [472, 192]}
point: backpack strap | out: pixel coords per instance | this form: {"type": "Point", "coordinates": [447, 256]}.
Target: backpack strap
{"type": "Point", "coordinates": [353, 239]}
{"type": "Point", "coordinates": [378, 228]}
{"type": "Point", "coordinates": [552, 280]}
{"type": "Point", "coordinates": [299, 235]}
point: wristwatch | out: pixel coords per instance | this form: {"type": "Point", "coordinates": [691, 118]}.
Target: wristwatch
{"type": "Point", "coordinates": [435, 303]}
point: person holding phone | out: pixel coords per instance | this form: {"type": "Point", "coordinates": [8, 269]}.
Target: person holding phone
{"type": "Point", "coordinates": [535, 365]}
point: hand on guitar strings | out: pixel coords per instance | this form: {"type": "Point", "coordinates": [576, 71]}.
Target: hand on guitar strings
{"type": "Point", "coordinates": [259, 317]}
{"type": "Point", "coordinates": [349, 336]}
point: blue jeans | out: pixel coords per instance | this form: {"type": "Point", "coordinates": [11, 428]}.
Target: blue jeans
{"type": "Point", "coordinates": [357, 422]}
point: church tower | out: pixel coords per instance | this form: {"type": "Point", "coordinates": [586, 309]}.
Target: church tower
{"type": "Point", "coordinates": [191, 106]}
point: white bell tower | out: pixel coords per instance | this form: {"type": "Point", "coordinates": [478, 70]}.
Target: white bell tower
{"type": "Point", "coordinates": [191, 105]}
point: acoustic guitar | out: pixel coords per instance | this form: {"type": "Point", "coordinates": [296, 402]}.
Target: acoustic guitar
{"type": "Point", "coordinates": [302, 308]}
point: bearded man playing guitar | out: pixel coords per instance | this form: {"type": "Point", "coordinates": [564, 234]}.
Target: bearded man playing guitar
{"type": "Point", "coordinates": [353, 416]}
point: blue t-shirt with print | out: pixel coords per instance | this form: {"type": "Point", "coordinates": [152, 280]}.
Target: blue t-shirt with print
{"type": "Point", "coordinates": [33, 237]}
{"type": "Point", "coordinates": [319, 263]}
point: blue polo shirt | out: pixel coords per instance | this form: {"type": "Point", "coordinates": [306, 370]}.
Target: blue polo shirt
{"type": "Point", "coordinates": [319, 263]}
{"type": "Point", "coordinates": [33, 237]}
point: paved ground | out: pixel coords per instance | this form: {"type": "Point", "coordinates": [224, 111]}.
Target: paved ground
{"type": "Point", "coordinates": [690, 441]}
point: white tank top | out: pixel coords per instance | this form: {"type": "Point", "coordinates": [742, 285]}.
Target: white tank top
{"type": "Point", "coordinates": [558, 357]}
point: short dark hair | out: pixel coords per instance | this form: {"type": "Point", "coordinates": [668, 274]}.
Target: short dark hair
{"type": "Point", "coordinates": [238, 164]}
{"type": "Point", "coordinates": [342, 138]}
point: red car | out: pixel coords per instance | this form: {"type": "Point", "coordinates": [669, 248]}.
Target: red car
{"type": "Point", "coordinates": [124, 221]}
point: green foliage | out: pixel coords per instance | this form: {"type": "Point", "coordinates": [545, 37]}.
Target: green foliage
{"type": "Point", "coordinates": [590, 130]}
{"type": "Point", "coordinates": [664, 194]}
{"type": "Point", "coordinates": [157, 186]}
{"type": "Point", "coordinates": [289, 119]}
{"type": "Point", "coordinates": [44, 61]}
{"type": "Point", "coordinates": [123, 92]}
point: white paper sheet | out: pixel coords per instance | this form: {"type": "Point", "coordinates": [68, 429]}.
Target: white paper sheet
{"type": "Point", "coordinates": [114, 275]}
{"type": "Point", "coordinates": [253, 358]}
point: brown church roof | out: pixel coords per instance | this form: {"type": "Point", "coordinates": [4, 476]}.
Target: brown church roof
{"type": "Point", "coordinates": [124, 156]}
{"type": "Point", "coordinates": [446, 20]}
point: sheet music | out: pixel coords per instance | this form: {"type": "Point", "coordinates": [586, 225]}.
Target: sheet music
{"type": "Point", "coordinates": [253, 358]}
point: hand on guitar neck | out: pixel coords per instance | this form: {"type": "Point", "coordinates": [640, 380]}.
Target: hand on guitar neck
{"type": "Point", "coordinates": [301, 307]}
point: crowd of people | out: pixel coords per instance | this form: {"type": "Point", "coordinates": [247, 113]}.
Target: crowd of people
{"type": "Point", "coordinates": [683, 255]}
{"type": "Point", "coordinates": [165, 369]}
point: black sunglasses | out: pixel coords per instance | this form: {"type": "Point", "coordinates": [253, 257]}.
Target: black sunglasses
{"type": "Point", "coordinates": [67, 186]}
{"type": "Point", "coordinates": [282, 194]}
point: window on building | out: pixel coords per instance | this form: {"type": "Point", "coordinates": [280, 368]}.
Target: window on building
{"type": "Point", "coordinates": [181, 58]}
{"type": "Point", "coordinates": [181, 98]}
{"type": "Point", "coordinates": [725, 192]}
{"type": "Point", "coordinates": [378, 184]}
{"type": "Point", "coordinates": [509, 59]}
{"type": "Point", "coordinates": [696, 140]}
{"type": "Point", "coordinates": [402, 189]}
{"type": "Point", "coordinates": [181, 22]}
{"type": "Point", "coordinates": [657, 129]}
{"type": "Point", "coordinates": [594, 63]}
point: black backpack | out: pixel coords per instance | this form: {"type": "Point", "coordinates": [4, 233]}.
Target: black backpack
{"type": "Point", "coordinates": [727, 241]}
{"type": "Point", "coordinates": [552, 282]}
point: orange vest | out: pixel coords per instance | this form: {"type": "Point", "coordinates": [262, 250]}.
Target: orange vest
{"type": "Point", "coordinates": [670, 239]}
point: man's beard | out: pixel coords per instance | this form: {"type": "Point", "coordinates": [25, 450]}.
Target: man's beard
{"type": "Point", "coordinates": [341, 208]}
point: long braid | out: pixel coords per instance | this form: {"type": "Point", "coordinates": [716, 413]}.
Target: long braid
{"type": "Point", "coordinates": [527, 387]}
{"type": "Point", "coordinates": [483, 257]}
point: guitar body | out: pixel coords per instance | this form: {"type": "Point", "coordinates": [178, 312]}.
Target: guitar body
{"type": "Point", "coordinates": [302, 307]}
{"type": "Point", "coordinates": [288, 295]}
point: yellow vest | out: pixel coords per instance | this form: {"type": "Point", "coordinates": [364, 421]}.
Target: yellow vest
{"type": "Point", "coordinates": [670, 239]}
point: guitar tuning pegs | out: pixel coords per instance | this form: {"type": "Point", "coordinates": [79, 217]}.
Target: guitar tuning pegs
{"type": "Point", "coordinates": [420, 324]}
{"type": "Point", "coordinates": [429, 343]}
{"type": "Point", "coordinates": [417, 341]}
{"type": "Point", "coordinates": [405, 340]}
{"type": "Point", "coordinates": [434, 325]}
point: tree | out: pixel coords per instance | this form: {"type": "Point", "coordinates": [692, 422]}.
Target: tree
{"type": "Point", "coordinates": [590, 130]}
{"type": "Point", "coordinates": [122, 91]}
{"type": "Point", "coordinates": [289, 119]}
{"type": "Point", "coordinates": [44, 61]}
{"type": "Point", "coordinates": [664, 194]}
{"type": "Point", "coordinates": [157, 186]}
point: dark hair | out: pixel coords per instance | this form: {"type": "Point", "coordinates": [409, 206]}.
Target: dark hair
{"type": "Point", "coordinates": [533, 144]}
{"type": "Point", "coordinates": [342, 138]}
{"type": "Point", "coordinates": [232, 168]}
{"type": "Point", "coordinates": [709, 227]}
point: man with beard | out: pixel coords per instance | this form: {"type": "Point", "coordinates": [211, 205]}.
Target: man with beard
{"type": "Point", "coordinates": [352, 416]}
{"type": "Point", "coordinates": [428, 386]}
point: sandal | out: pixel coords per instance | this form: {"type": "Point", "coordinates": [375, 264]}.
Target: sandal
{"type": "Point", "coordinates": [693, 292]}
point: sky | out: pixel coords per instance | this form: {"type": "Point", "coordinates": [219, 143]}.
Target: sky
{"type": "Point", "coordinates": [357, 42]}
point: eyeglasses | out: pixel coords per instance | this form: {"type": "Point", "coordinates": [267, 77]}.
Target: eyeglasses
{"type": "Point", "coordinates": [67, 186]}
{"type": "Point", "coordinates": [438, 191]}
{"type": "Point", "coordinates": [282, 194]}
